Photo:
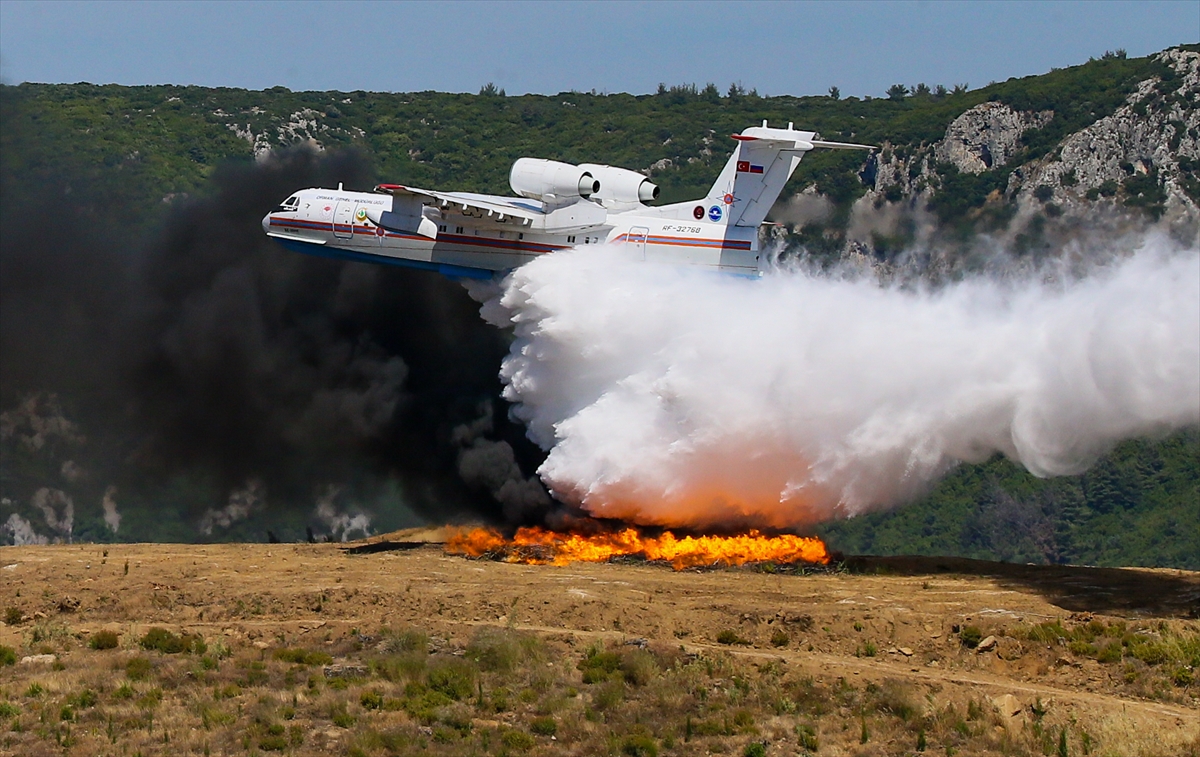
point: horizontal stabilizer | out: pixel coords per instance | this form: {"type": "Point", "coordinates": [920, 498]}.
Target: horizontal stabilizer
{"type": "Point", "coordinates": [840, 145]}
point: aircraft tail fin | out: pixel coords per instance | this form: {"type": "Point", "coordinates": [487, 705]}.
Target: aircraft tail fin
{"type": "Point", "coordinates": [760, 166]}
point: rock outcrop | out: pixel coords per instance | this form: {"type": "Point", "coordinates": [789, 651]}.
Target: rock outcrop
{"type": "Point", "coordinates": [1146, 147]}
{"type": "Point", "coordinates": [986, 136]}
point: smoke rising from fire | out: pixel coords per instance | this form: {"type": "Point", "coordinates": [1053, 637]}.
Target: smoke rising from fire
{"type": "Point", "coordinates": [677, 397]}
{"type": "Point", "coordinates": [198, 355]}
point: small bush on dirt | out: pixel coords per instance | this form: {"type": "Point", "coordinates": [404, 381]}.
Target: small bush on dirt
{"type": "Point", "coordinates": [104, 640]}
{"type": "Point", "coordinates": [161, 640]}
{"type": "Point", "coordinates": [9, 710]}
{"type": "Point", "coordinates": [395, 641]}
{"type": "Point", "coordinates": [453, 677]}
{"type": "Point", "coordinates": [598, 665]}
{"type": "Point", "coordinates": [501, 649]}
{"type": "Point", "coordinates": [545, 726]}
{"type": "Point", "coordinates": [302, 656]}
{"type": "Point", "coordinates": [371, 700]}
{"type": "Point", "coordinates": [84, 699]}
{"type": "Point", "coordinates": [13, 616]}
{"type": "Point", "coordinates": [639, 745]}
{"type": "Point", "coordinates": [518, 740]}
{"type": "Point", "coordinates": [138, 668]}
{"type": "Point", "coordinates": [754, 749]}
{"type": "Point", "coordinates": [609, 695]}
{"type": "Point", "coordinates": [970, 636]}
{"type": "Point", "coordinates": [780, 638]}
{"type": "Point", "coordinates": [422, 703]}
{"type": "Point", "coordinates": [340, 717]}
{"type": "Point", "coordinates": [401, 667]}
{"type": "Point", "coordinates": [8, 656]}
{"type": "Point", "coordinates": [808, 737]}
{"type": "Point", "coordinates": [639, 667]}
{"type": "Point", "coordinates": [729, 636]}
{"type": "Point", "coordinates": [895, 698]}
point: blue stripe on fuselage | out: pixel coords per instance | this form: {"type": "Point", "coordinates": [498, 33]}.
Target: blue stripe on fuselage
{"type": "Point", "coordinates": [446, 269]}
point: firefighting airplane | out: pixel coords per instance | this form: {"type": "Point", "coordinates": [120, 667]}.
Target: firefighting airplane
{"type": "Point", "coordinates": [467, 235]}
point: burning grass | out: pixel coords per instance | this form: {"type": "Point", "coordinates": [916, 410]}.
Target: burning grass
{"type": "Point", "coordinates": [538, 546]}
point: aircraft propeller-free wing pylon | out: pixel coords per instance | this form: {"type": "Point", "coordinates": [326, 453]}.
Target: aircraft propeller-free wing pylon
{"type": "Point", "coordinates": [558, 205]}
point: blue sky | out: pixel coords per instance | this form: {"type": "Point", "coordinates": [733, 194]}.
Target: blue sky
{"type": "Point", "coordinates": [777, 47]}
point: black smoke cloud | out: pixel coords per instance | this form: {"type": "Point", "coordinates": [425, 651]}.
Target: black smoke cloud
{"type": "Point", "coordinates": [204, 348]}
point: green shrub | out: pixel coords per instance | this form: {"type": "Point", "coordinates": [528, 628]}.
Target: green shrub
{"type": "Point", "coordinates": [544, 726]}
{"type": "Point", "coordinates": [518, 740]}
{"type": "Point", "coordinates": [401, 667]}
{"type": "Point", "coordinates": [598, 665]}
{"type": "Point", "coordinates": [273, 743]}
{"type": "Point", "coordinates": [808, 737]}
{"type": "Point", "coordinates": [639, 667]}
{"type": "Point", "coordinates": [161, 640]}
{"type": "Point", "coordinates": [754, 749]}
{"type": "Point", "coordinates": [371, 700]}
{"type": "Point", "coordinates": [1082, 648]}
{"type": "Point", "coordinates": [8, 656]}
{"type": "Point", "coordinates": [780, 638]}
{"type": "Point", "coordinates": [639, 745]}
{"type": "Point", "coordinates": [340, 717]}
{"type": "Point", "coordinates": [970, 636]}
{"type": "Point", "coordinates": [84, 699]}
{"type": "Point", "coordinates": [394, 641]}
{"type": "Point", "coordinates": [501, 649]}
{"type": "Point", "coordinates": [13, 616]}
{"type": "Point", "coordinates": [453, 677]}
{"type": "Point", "coordinates": [1110, 653]}
{"type": "Point", "coordinates": [138, 668]}
{"type": "Point", "coordinates": [729, 636]}
{"type": "Point", "coordinates": [104, 640]}
{"type": "Point", "coordinates": [9, 710]}
{"type": "Point", "coordinates": [609, 695]}
{"type": "Point", "coordinates": [302, 656]}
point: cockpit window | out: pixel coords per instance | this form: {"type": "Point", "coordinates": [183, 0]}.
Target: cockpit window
{"type": "Point", "coordinates": [293, 200]}
{"type": "Point", "coordinates": [288, 205]}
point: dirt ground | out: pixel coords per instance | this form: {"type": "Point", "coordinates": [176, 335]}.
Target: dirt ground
{"type": "Point", "coordinates": [873, 623]}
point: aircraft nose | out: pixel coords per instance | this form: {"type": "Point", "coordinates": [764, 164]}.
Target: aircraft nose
{"type": "Point", "coordinates": [266, 223]}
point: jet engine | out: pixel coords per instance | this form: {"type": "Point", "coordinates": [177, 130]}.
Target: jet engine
{"type": "Point", "coordinates": [549, 180]}
{"type": "Point", "coordinates": [622, 185]}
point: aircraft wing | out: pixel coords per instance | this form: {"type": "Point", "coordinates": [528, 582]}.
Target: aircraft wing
{"type": "Point", "coordinates": [487, 207]}
{"type": "Point", "coordinates": [505, 212]}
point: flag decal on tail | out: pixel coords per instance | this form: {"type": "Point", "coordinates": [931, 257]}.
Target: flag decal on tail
{"type": "Point", "coordinates": [745, 166]}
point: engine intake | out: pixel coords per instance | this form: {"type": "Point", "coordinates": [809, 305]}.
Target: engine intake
{"type": "Point", "coordinates": [622, 185]}
{"type": "Point", "coordinates": [549, 180]}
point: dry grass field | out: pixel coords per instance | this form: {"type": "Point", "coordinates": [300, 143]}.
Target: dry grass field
{"type": "Point", "coordinates": [401, 649]}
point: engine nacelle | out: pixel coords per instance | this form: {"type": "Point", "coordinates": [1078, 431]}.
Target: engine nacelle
{"type": "Point", "coordinates": [549, 180]}
{"type": "Point", "coordinates": [622, 185]}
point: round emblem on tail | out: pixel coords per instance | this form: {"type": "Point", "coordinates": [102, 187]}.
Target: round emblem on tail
{"type": "Point", "coordinates": [714, 213]}
{"type": "Point", "coordinates": [698, 213]}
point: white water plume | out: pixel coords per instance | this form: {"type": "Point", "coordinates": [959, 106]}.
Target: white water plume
{"type": "Point", "coordinates": [679, 397]}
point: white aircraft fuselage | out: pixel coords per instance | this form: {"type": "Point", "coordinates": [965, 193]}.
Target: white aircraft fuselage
{"type": "Point", "coordinates": [559, 206]}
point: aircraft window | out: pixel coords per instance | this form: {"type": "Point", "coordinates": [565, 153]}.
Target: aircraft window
{"type": "Point", "coordinates": [293, 200]}
{"type": "Point", "coordinates": [520, 236]}
{"type": "Point", "coordinates": [288, 205]}
{"type": "Point", "coordinates": [457, 229]}
{"type": "Point", "coordinates": [571, 240]}
{"type": "Point", "coordinates": [442, 227]}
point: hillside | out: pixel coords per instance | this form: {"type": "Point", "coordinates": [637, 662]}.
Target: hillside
{"type": "Point", "coordinates": [315, 649]}
{"type": "Point", "coordinates": [110, 432]}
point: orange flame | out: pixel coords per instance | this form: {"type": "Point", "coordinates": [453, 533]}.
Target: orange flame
{"type": "Point", "coordinates": [538, 546]}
